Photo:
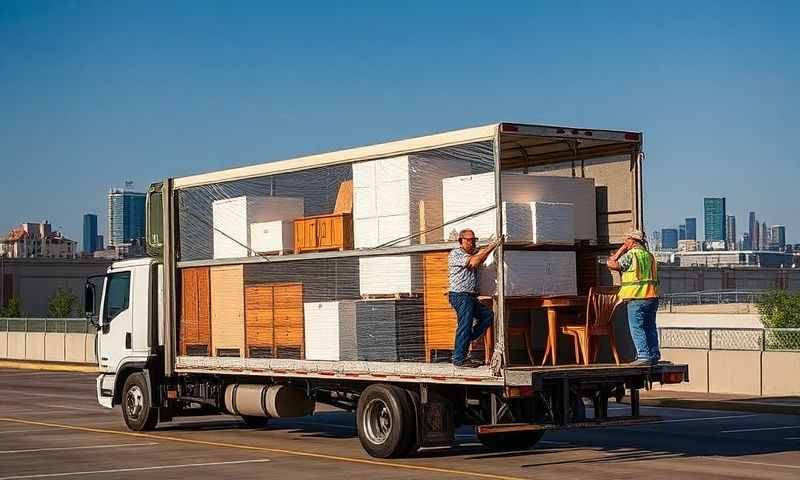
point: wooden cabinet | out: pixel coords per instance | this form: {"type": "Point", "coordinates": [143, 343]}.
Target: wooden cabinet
{"type": "Point", "coordinates": [274, 320]}
{"type": "Point", "coordinates": [440, 317]}
{"type": "Point", "coordinates": [195, 314]}
{"type": "Point", "coordinates": [227, 311]}
{"type": "Point", "coordinates": [323, 232]}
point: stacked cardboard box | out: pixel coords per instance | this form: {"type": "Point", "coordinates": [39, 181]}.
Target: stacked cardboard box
{"type": "Point", "coordinates": [330, 330]}
{"type": "Point", "coordinates": [531, 273]}
{"type": "Point", "coordinates": [233, 217]}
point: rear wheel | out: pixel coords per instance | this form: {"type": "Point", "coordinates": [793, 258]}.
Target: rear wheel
{"type": "Point", "coordinates": [137, 410]}
{"type": "Point", "coordinates": [386, 422]}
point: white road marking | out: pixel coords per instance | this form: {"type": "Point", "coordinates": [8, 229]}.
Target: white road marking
{"type": "Point", "coordinates": [24, 393]}
{"type": "Point", "coordinates": [28, 430]}
{"type": "Point", "coordinates": [136, 469]}
{"type": "Point", "coordinates": [121, 445]}
{"type": "Point", "coordinates": [792, 438]}
{"type": "Point", "coordinates": [759, 429]}
{"type": "Point", "coordinates": [696, 419]}
{"type": "Point", "coordinates": [96, 409]}
{"type": "Point", "coordinates": [779, 465]}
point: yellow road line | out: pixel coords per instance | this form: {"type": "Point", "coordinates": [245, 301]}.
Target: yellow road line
{"type": "Point", "coordinates": [266, 449]}
{"type": "Point", "coordinates": [53, 367]}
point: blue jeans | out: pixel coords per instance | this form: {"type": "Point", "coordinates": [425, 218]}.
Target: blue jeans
{"type": "Point", "coordinates": [467, 308]}
{"type": "Point", "coordinates": [642, 322]}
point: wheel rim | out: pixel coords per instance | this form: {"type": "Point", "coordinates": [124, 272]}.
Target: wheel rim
{"type": "Point", "coordinates": [377, 421]}
{"type": "Point", "coordinates": [134, 402]}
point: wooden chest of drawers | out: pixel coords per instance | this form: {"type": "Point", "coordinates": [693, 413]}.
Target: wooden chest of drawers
{"type": "Point", "coordinates": [274, 320]}
{"type": "Point", "coordinates": [323, 232]}
{"type": "Point", "coordinates": [195, 315]}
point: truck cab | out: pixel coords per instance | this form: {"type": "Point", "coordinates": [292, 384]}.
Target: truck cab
{"type": "Point", "coordinates": [126, 309]}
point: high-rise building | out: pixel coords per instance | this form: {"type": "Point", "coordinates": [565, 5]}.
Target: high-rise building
{"type": "Point", "coordinates": [99, 245]}
{"type": "Point", "coordinates": [751, 230]}
{"type": "Point", "coordinates": [746, 244]}
{"type": "Point", "coordinates": [126, 216]}
{"type": "Point", "coordinates": [756, 238]}
{"type": "Point", "coordinates": [681, 232]}
{"type": "Point", "coordinates": [714, 212]}
{"type": "Point", "coordinates": [655, 240]}
{"type": "Point", "coordinates": [777, 235]}
{"type": "Point", "coordinates": [730, 231]}
{"type": "Point", "coordinates": [89, 233]}
{"type": "Point", "coordinates": [669, 238]}
{"type": "Point", "coordinates": [764, 236]}
{"type": "Point", "coordinates": [691, 228]}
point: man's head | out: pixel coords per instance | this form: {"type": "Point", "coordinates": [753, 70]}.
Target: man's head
{"type": "Point", "coordinates": [636, 237]}
{"type": "Point", "coordinates": [467, 240]}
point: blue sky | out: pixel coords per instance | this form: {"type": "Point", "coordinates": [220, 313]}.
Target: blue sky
{"type": "Point", "coordinates": [94, 93]}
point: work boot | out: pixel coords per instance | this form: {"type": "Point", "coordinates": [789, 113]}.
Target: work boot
{"type": "Point", "coordinates": [641, 362]}
{"type": "Point", "coordinates": [468, 363]}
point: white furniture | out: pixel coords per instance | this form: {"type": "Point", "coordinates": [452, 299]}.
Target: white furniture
{"type": "Point", "coordinates": [468, 194]}
{"type": "Point", "coordinates": [391, 274]}
{"type": "Point", "coordinates": [275, 236]}
{"type": "Point", "coordinates": [388, 193]}
{"type": "Point", "coordinates": [232, 218]}
{"type": "Point", "coordinates": [330, 330]}
{"type": "Point", "coordinates": [531, 273]}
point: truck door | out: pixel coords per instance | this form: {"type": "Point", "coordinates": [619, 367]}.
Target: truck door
{"type": "Point", "coordinates": [115, 337]}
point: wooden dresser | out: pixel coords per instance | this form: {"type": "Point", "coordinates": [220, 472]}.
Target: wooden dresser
{"type": "Point", "coordinates": [274, 320]}
{"type": "Point", "coordinates": [194, 326]}
{"type": "Point", "coordinates": [440, 317]}
{"type": "Point", "coordinates": [332, 231]}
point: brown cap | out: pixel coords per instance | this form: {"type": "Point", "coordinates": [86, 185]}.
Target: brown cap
{"type": "Point", "coordinates": [636, 235]}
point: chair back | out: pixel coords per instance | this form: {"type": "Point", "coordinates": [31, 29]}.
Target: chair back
{"type": "Point", "coordinates": [600, 306]}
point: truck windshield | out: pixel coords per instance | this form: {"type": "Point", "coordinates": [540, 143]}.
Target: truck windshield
{"type": "Point", "coordinates": [118, 294]}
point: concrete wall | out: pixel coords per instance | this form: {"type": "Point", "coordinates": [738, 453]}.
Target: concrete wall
{"type": "Point", "coordinates": [708, 320]}
{"type": "Point", "coordinates": [675, 279]}
{"type": "Point", "coordinates": [49, 347]}
{"type": "Point", "coordinates": [698, 368]}
{"type": "Point", "coordinates": [780, 373]}
{"type": "Point", "coordinates": [733, 371]}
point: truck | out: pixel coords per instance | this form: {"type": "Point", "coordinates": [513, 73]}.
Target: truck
{"type": "Point", "coordinates": [271, 288]}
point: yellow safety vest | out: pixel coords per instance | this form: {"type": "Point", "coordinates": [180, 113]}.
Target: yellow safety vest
{"type": "Point", "coordinates": [640, 280]}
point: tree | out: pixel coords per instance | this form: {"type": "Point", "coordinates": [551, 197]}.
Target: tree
{"type": "Point", "coordinates": [780, 309]}
{"type": "Point", "coordinates": [13, 308]}
{"type": "Point", "coordinates": [62, 303]}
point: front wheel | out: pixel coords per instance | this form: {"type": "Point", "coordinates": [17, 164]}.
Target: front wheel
{"type": "Point", "coordinates": [137, 410]}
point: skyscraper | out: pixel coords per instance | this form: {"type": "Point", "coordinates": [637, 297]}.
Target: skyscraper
{"type": "Point", "coordinates": [746, 243]}
{"type": "Point", "coordinates": [764, 236]}
{"type": "Point", "coordinates": [714, 212]}
{"type": "Point", "coordinates": [730, 231]}
{"type": "Point", "coordinates": [681, 232]}
{"type": "Point", "coordinates": [777, 237]}
{"type": "Point", "coordinates": [125, 216]}
{"type": "Point", "coordinates": [691, 228]}
{"type": "Point", "coordinates": [89, 233]}
{"type": "Point", "coordinates": [756, 238]}
{"type": "Point", "coordinates": [669, 238]}
{"type": "Point", "coordinates": [752, 231]}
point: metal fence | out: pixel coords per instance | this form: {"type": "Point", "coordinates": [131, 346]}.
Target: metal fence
{"type": "Point", "coordinates": [46, 325]}
{"type": "Point", "coordinates": [751, 339]}
{"type": "Point", "coordinates": [711, 297]}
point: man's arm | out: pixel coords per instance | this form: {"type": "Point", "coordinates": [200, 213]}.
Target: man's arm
{"type": "Point", "coordinates": [477, 260]}
{"type": "Point", "coordinates": [613, 260]}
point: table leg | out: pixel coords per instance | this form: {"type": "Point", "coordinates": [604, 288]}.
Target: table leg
{"type": "Point", "coordinates": [552, 334]}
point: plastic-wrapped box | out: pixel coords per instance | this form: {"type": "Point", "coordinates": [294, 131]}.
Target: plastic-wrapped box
{"type": "Point", "coordinates": [330, 330]}
{"type": "Point", "coordinates": [390, 274]}
{"type": "Point", "coordinates": [232, 218]}
{"type": "Point", "coordinates": [271, 237]}
{"type": "Point", "coordinates": [531, 273]}
{"type": "Point", "coordinates": [390, 330]}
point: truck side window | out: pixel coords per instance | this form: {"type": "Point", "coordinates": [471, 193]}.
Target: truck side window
{"type": "Point", "coordinates": [118, 294]}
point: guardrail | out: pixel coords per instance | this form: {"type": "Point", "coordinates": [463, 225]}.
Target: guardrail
{"type": "Point", "coordinates": [716, 297]}
{"type": "Point", "coordinates": [48, 339]}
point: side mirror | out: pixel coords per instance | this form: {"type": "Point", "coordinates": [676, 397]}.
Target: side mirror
{"type": "Point", "coordinates": [88, 299]}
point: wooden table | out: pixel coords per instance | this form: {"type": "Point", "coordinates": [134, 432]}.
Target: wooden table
{"type": "Point", "coordinates": [552, 305]}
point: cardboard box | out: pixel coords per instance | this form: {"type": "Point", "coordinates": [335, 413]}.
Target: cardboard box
{"type": "Point", "coordinates": [232, 218]}
{"type": "Point", "coordinates": [531, 273]}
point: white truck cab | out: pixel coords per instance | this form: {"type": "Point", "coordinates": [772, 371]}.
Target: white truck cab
{"type": "Point", "coordinates": [127, 317]}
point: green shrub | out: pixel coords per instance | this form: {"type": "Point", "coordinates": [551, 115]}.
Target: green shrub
{"type": "Point", "coordinates": [62, 303]}
{"type": "Point", "coordinates": [13, 308]}
{"type": "Point", "coordinates": [780, 309]}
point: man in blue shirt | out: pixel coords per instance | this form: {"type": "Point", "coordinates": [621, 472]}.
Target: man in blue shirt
{"type": "Point", "coordinates": [463, 263]}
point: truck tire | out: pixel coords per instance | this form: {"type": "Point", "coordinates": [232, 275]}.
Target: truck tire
{"type": "Point", "coordinates": [386, 422]}
{"type": "Point", "coordinates": [255, 422]}
{"type": "Point", "coordinates": [137, 410]}
{"type": "Point", "coordinates": [510, 440]}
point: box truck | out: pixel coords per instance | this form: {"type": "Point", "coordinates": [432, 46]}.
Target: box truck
{"type": "Point", "coordinates": [324, 279]}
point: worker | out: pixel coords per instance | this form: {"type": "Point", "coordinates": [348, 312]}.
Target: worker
{"type": "Point", "coordinates": [463, 264]}
{"type": "Point", "coordinates": [640, 291]}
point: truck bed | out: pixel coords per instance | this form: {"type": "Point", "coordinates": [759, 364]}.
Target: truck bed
{"type": "Point", "coordinates": [410, 372]}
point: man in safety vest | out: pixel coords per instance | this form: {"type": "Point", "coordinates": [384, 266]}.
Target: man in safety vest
{"type": "Point", "coordinates": [640, 291]}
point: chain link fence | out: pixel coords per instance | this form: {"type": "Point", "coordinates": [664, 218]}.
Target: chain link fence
{"type": "Point", "coordinates": [674, 301]}
{"type": "Point", "coordinates": [751, 339]}
{"type": "Point", "coordinates": [46, 325]}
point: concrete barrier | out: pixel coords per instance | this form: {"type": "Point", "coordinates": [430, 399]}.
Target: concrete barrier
{"type": "Point", "coordinates": [16, 345]}
{"type": "Point", "coordinates": [89, 348]}
{"type": "Point", "coordinates": [780, 373]}
{"type": "Point", "coordinates": [54, 347]}
{"type": "Point", "coordinates": [34, 346]}
{"type": "Point", "coordinates": [734, 371]}
{"type": "Point", "coordinates": [75, 347]}
{"type": "Point", "coordinates": [3, 344]}
{"type": "Point", "coordinates": [698, 368]}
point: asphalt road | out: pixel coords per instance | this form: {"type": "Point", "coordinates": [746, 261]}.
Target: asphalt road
{"type": "Point", "coordinates": [52, 427]}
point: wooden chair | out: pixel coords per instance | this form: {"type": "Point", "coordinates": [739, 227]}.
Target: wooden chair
{"type": "Point", "coordinates": [524, 332]}
{"type": "Point", "coordinates": [600, 307]}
